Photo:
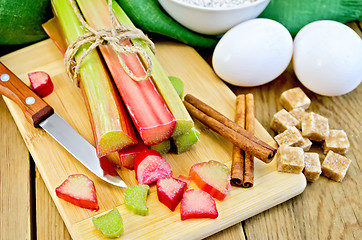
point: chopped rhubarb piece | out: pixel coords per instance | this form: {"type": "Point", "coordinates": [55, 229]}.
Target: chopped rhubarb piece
{"type": "Point", "coordinates": [110, 224]}
{"type": "Point", "coordinates": [185, 141]}
{"type": "Point", "coordinates": [107, 167]}
{"type": "Point", "coordinates": [41, 83]}
{"type": "Point", "coordinates": [198, 204]}
{"type": "Point", "coordinates": [212, 177]}
{"type": "Point", "coordinates": [79, 190]}
{"type": "Point", "coordinates": [187, 180]}
{"type": "Point", "coordinates": [135, 199]}
{"type": "Point", "coordinates": [162, 147]}
{"type": "Point", "coordinates": [150, 166]}
{"type": "Point", "coordinates": [170, 191]}
{"type": "Point", "coordinates": [127, 155]}
{"type": "Point", "coordinates": [147, 109]}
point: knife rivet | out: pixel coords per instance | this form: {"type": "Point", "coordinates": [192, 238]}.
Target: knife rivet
{"type": "Point", "coordinates": [4, 77]}
{"type": "Point", "coordinates": [30, 100]}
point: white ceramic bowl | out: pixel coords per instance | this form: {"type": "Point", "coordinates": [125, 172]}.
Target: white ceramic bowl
{"type": "Point", "coordinates": [212, 21]}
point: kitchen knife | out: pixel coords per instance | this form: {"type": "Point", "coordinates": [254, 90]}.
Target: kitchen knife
{"type": "Point", "coordinates": [41, 115]}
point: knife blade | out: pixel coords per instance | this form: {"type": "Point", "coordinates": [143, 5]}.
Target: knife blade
{"type": "Point", "coordinates": [42, 115]}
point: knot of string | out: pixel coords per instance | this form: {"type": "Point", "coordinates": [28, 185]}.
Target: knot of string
{"type": "Point", "coordinates": [112, 37]}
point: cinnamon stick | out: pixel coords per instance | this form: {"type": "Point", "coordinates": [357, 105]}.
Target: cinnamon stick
{"type": "Point", "coordinates": [249, 126]}
{"type": "Point", "coordinates": [201, 112]}
{"type": "Point", "coordinates": [237, 163]}
{"type": "Point", "coordinates": [203, 107]}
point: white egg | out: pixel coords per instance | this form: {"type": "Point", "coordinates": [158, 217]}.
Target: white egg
{"type": "Point", "coordinates": [253, 53]}
{"type": "Point", "coordinates": [328, 58]}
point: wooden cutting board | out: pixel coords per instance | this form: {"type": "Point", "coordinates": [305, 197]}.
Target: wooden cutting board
{"type": "Point", "coordinates": [55, 163]}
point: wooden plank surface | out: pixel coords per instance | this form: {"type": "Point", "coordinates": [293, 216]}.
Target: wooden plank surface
{"type": "Point", "coordinates": [49, 224]}
{"type": "Point", "coordinates": [15, 208]}
{"type": "Point", "coordinates": [55, 164]}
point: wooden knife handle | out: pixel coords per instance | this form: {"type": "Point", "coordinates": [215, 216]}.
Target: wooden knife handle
{"type": "Point", "coordinates": [34, 107]}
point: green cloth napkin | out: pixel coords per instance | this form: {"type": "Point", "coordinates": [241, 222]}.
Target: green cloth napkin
{"type": "Point", "coordinates": [295, 14]}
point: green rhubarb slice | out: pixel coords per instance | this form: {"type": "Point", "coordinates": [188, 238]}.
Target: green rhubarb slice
{"type": "Point", "coordinates": [178, 84]}
{"type": "Point", "coordinates": [162, 147]}
{"type": "Point", "coordinates": [110, 224]}
{"type": "Point", "coordinates": [185, 141]}
{"type": "Point", "coordinates": [111, 125]}
{"type": "Point", "coordinates": [135, 199]}
{"type": "Point", "coordinates": [183, 119]}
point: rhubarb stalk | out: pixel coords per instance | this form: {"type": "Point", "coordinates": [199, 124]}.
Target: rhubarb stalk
{"type": "Point", "coordinates": [112, 128]}
{"type": "Point", "coordinates": [149, 112]}
{"type": "Point", "coordinates": [183, 119]}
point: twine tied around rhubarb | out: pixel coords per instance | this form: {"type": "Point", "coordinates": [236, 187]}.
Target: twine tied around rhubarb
{"type": "Point", "coordinates": [112, 37]}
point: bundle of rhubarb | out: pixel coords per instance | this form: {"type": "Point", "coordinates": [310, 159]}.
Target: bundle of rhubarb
{"type": "Point", "coordinates": [127, 114]}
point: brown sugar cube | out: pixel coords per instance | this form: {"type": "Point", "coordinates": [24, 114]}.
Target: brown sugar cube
{"type": "Point", "coordinates": [312, 166]}
{"type": "Point", "coordinates": [291, 137]}
{"type": "Point", "coordinates": [307, 144]}
{"type": "Point", "coordinates": [290, 159]}
{"type": "Point", "coordinates": [294, 98]}
{"type": "Point", "coordinates": [335, 166]}
{"type": "Point", "coordinates": [336, 141]}
{"type": "Point", "coordinates": [315, 127]}
{"type": "Point", "coordinates": [298, 113]}
{"type": "Point", "coordinates": [282, 120]}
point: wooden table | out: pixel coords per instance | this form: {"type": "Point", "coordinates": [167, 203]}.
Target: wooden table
{"type": "Point", "coordinates": [325, 210]}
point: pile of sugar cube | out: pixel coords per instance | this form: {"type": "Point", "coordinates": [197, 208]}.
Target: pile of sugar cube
{"type": "Point", "coordinates": [296, 130]}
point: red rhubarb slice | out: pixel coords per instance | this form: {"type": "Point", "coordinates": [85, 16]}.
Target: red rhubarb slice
{"type": "Point", "coordinates": [170, 191]}
{"type": "Point", "coordinates": [150, 166]}
{"type": "Point", "coordinates": [41, 83]}
{"type": "Point", "coordinates": [79, 190]}
{"type": "Point", "coordinates": [212, 177]}
{"type": "Point", "coordinates": [107, 167]}
{"type": "Point", "coordinates": [127, 155]}
{"type": "Point", "coordinates": [187, 180]}
{"type": "Point", "coordinates": [198, 204]}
